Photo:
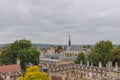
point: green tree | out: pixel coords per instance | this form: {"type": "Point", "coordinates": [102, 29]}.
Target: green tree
{"type": "Point", "coordinates": [94, 58]}
{"type": "Point", "coordinates": [23, 50]}
{"type": "Point", "coordinates": [102, 50]}
{"type": "Point", "coordinates": [33, 73]}
{"type": "Point", "coordinates": [58, 49]}
{"type": "Point", "coordinates": [84, 46]}
{"type": "Point", "coordinates": [115, 56]}
{"type": "Point", "coordinates": [87, 46]}
{"type": "Point", "coordinates": [81, 57]}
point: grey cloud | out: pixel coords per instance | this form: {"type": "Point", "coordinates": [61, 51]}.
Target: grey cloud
{"type": "Point", "coordinates": [51, 21]}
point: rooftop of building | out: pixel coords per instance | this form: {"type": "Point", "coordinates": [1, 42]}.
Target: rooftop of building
{"type": "Point", "coordinates": [10, 68]}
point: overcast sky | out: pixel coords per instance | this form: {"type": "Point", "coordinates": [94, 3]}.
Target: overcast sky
{"type": "Point", "coordinates": [51, 21]}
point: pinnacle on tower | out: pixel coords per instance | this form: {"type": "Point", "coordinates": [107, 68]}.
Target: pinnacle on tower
{"type": "Point", "coordinates": [69, 42]}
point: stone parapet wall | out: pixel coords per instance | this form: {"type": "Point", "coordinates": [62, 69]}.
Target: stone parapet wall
{"type": "Point", "coordinates": [85, 72]}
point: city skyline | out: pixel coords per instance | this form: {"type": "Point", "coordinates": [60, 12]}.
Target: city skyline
{"type": "Point", "coordinates": [51, 22]}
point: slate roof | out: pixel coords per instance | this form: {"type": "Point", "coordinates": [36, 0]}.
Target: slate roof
{"type": "Point", "coordinates": [52, 56]}
{"type": "Point", "coordinates": [9, 68]}
{"type": "Point", "coordinates": [74, 48]}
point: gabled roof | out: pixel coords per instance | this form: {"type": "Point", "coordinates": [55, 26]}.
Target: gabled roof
{"type": "Point", "coordinates": [10, 68]}
{"type": "Point", "coordinates": [52, 55]}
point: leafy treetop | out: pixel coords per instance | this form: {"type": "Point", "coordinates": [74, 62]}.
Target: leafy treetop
{"type": "Point", "coordinates": [20, 49]}
{"type": "Point", "coordinates": [33, 73]}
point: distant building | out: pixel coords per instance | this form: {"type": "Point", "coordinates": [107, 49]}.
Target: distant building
{"type": "Point", "coordinates": [74, 50]}
{"type": "Point", "coordinates": [85, 72]}
{"type": "Point", "coordinates": [68, 55]}
{"type": "Point", "coordinates": [53, 59]}
{"type": "Point", "coordinates": [8, 72]}
{"type": "Point", "coordinates": [53, 56]}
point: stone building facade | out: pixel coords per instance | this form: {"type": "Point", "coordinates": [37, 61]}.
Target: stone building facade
{"type": "Point", "coordinates": [85, 72]}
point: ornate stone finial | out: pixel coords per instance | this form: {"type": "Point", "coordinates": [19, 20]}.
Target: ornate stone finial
{"type": "Point", "coordinates": [116, 66]}
{"type": "Point", "coordinates": [106, 65]}
{"type": "Point", "coordinates": [18, 61]}
{"type": "Point", "coordinates": [87, 62]}
{"type": "Point", "coordinates": [91, 64]}
{"type": "Point", "coordinates": [81, 63]}
{"type": "Point", "coordinates": [100, 64]}
{"type": "Point", "coordinates": [109, 65]}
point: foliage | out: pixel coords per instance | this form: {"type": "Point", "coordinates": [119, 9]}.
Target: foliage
{"type": "Point", "coordinates": [101, 52]}
{"type": "Point", "coordinates": [87, 46]}
{"type": "Point", "coordinates": [103, 47]}
{"type": "Point", "coordinates": [118, 47]}
{"type": "Point", "coordinates": [58, 49]}
{"type": "Point", "coordinates": [33, 73]}
{"type": "Point", "coordinates": [81, 57]}
{"type": "Point", "coordinates": [23, 50]}
{"type": "Point", "coordinates": [115, 56]}
{"type": "Point", "coordinates": [94, 57]}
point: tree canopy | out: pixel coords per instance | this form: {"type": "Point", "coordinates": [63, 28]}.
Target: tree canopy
{"type": "Point", "coordinates": [115, 56]}
{"type": "Point", "coordinates": [20, 49]}
{"type": "Point", "coordinates": [81, 57]}
{"type": "Point", "coordinates": [33, 73]}
{"type": "Point", "coordinates": [101, 52]}
{"type": "Point", "coordinates": [58, 49]}
{"type": "Point", "coordinates": [94, 57]}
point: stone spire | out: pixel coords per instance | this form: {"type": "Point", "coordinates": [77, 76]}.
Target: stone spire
{"type": "Point", "coordinates": [69, 42]}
